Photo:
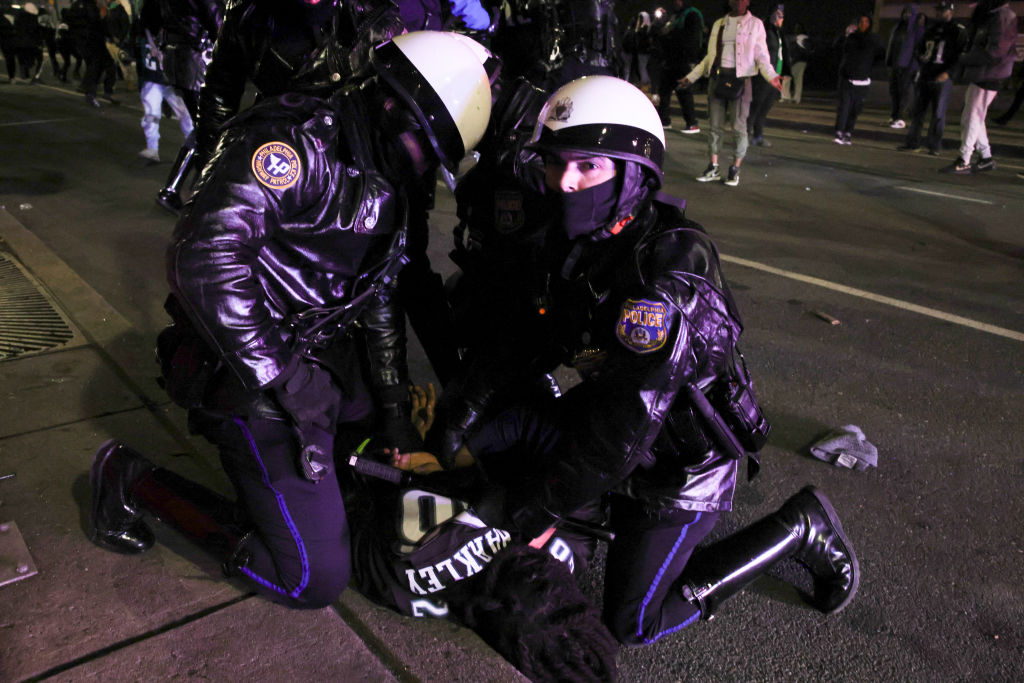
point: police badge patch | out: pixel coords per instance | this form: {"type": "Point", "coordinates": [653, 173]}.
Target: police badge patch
{"type": "Point", "coordinates": [642, 325]}
{"type": "Point", "coordinates": [509, 214]}
{"type": "Point", "coordinates": [276, 165]}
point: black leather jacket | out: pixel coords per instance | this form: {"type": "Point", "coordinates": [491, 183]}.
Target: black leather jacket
{"type": "Point", "coordinates": [294, 217]}
{"type": "Point", "coordinates": [284, 46]}
{"type": "Point", "coordinates": [639, 315]}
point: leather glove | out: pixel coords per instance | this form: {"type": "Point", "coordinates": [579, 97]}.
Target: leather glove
{"type": "Point", "coordinates": [513, 510]}
{"type": "Point", "coordinates": [450, 431]}
{"type": "Point", "coordinates": [395, 428]}
{"type": "Point", "coordinates": [313, 402]}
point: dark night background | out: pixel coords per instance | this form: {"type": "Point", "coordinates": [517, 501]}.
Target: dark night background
{"type": "Point", "coordinates": [824, 21]}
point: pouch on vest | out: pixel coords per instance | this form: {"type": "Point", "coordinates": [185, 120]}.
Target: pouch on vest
{"type": "Point", "coordinates": [187, 363]}
{"type": "Point", "coordinates": [733, 397]}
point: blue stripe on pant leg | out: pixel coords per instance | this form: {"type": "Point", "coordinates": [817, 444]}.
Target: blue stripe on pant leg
{"type": "Point", "coordinates": [283, 507]}
{"type": "Point", "coordinates": [654, 586]}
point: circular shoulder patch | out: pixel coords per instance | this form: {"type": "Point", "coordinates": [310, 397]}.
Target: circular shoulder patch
{"type": "Point", "coordinates": [642, 325]}
{"type": "Point", "coordinates": [276, 165]}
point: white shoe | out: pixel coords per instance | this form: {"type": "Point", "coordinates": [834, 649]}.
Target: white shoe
{"type": "Point", "coordinates": [710, 173]}
{"type": "Point", "coordinates": [898, 123]}
{"type": "Point", "coordinates": [150, 155]}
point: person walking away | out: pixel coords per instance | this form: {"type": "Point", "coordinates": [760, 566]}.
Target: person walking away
{"type": "Point", "coordinates": [636, 43]}
{"type": "Point", "coordinates": [764, 96]}
{"type": "Point", "coordinates": [902, 62]}
{"type": "Point", "coordinates": [985, 65]}
{"type": "Point", "coordinates": [27, 41]}
{"type": "Point", "coordinates": [736, 51]}
{"type": "Point", "coordinates": [153, 88]}
{"type": "Point", "coordinates": [48, 35]}
{"type": "Point", "coordinates": [799, 53]}
{"type": "Point", "coordinates": [7, 46]}
{"type": "Point", "coordinates": [860, 51]}
{"type": "Point", "coordinates": [682, 42]}
{"type": "Point", "coordinates": [117, 25]}
{"type": "Point", "coordinates": [937, 54]}
{"type": "Point", "coordinates": [91, 39]}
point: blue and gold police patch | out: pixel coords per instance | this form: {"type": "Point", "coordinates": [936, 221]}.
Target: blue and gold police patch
{"type": "Point", "coordinates": [642, 325]}
{"type": "Point", "coordinates": [509, 214]}
{"type": "Point", "coordinates": [276, 165]}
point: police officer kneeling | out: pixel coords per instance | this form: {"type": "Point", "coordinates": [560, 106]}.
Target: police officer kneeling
{"type": "Point", "coordinates": [635, 300]}
{"type": "Point", "coordinates": [280, 272]}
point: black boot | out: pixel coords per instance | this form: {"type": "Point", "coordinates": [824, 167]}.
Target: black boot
{"type": "Point", "coordinates": [170, 196]}
{"type": "Point", "coordinates": [805, 528]}
{"type": "Point", "coordinates": [115, 522]}
{"type": "Point", "coordinates": [125, 485]}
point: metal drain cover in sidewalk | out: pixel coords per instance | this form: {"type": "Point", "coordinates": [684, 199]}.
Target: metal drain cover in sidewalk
{"type": "Point", "coordinates": [29, 322]}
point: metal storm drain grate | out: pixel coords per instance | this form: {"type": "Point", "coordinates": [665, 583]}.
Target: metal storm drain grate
{"type": "Point", "coordinates": [28, 321]}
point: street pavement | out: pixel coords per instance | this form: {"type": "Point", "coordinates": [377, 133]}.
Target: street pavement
{"type": "Point", "coordinates": [937, 525]}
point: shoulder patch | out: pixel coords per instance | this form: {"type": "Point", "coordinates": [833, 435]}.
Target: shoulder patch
{"type": "Point", "coordinates": [642, 325]}
{"type": "Point", "coordinates": [276, 165]}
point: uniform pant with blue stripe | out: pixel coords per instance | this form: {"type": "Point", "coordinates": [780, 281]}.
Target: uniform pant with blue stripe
{"type": "Point", "coordinates": [299, 553]}
{"type": "Point", "coordinates": [642, 596]}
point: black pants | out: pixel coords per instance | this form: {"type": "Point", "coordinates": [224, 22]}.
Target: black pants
{"type": "Point", "coordinates": [670, 76]}
{"type": "Point", "coordinates": [901, 89]}
{"type": "Point", "coordinates": [11, 61]}
{"type": "Point", "coordinates": [99, 65]}
{"type": "Point", "coordinates": [299, 553]}
{"type": "Point", "coordinates": [642, 598]}
{"type": "Point", "coordinates": [932, 97]}
{"type": "Point", "coordinates": [851, 102]}
{"type": "Point", "coordinates": [764, 97]}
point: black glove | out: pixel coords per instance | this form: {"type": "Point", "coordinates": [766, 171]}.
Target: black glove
{"type": "Point", "coordinates": [502, 508]}
{"type": "Point", "coordinates": [307, 393]}
{"type": "Point", "coordinates": [395, 428]}
{"type": "Point", "coordinates": [450, 431]}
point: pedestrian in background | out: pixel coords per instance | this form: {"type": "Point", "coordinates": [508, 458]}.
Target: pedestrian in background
{"type": "Point", "coordinates": [799, 53]}
{"type": "Point", "coordinates": [48, 37]}
{"type": "Point", "coordinates": [89, 34]}
{"type": "Point", "coordinates": [153, 88]}
{"type": "Point", "coordinates": [764, 96]}
{"type": "Point", "coordinates": [7, 46]}
{"type": "Point", "coordinates": [28, 41]}
{"type": "Point", "coordinates": [736, 51]}
{"type": "Point", "coordinates": [636, 46]}
{"type": "Point", "coordinates": [67, 49]}
{"type": "Point", "coordinates": [900, 57]}
{"type": "Point", "coordinates": [681, 43]}
{"type": "Point", "coordinates": [985, 65]}
{"type": "Point", "coordinates": [937, 54]}
{"type": "Point", "coordinates": [860, 51]}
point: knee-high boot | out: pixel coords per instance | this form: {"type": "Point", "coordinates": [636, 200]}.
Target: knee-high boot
{"type": "Point", "coordinates": [125, 486]}
{"type": "Point", "coordinates": [806, 528]}
{"type": "Point", "coordinates": [170, 196]}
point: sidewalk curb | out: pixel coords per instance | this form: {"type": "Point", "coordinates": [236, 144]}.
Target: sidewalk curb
{"type": "Point", "coordinates": [425, 652]}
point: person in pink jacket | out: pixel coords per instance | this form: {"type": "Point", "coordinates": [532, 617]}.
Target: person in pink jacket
{"type": "Point", "coordinates": [736, 49]}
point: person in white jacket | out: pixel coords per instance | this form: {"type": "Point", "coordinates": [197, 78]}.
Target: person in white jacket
{"type": "Point", "coordinates": [737, 42]}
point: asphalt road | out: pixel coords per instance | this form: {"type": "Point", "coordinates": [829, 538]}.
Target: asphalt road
{"type": "Point", "coordinates": [923, 271]}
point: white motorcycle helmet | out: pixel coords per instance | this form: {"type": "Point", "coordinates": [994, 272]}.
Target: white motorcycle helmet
{"type": "Point", "coordinates": [442, 78]}
{"type": "Point", "coordinates": [604, 116]}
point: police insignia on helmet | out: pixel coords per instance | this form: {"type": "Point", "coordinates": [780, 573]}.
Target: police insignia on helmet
{"type": "Point", "coordinates": [276, 165]}
{"type": "Point", "coordinates": [642, 325]}
{"type": "Point", "coordinates": [561, 111]}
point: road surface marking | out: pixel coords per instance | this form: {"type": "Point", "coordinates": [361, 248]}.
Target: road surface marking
{"type": "Point", "coordinates": [878, 298]}
{"type": "Point", "coordinates": [943, 194]}
{"type": "Point", "coordinates": [30, 123]}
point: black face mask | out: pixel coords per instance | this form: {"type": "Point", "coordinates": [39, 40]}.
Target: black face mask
{"type": "Point", "coordinates": [581, 213]}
